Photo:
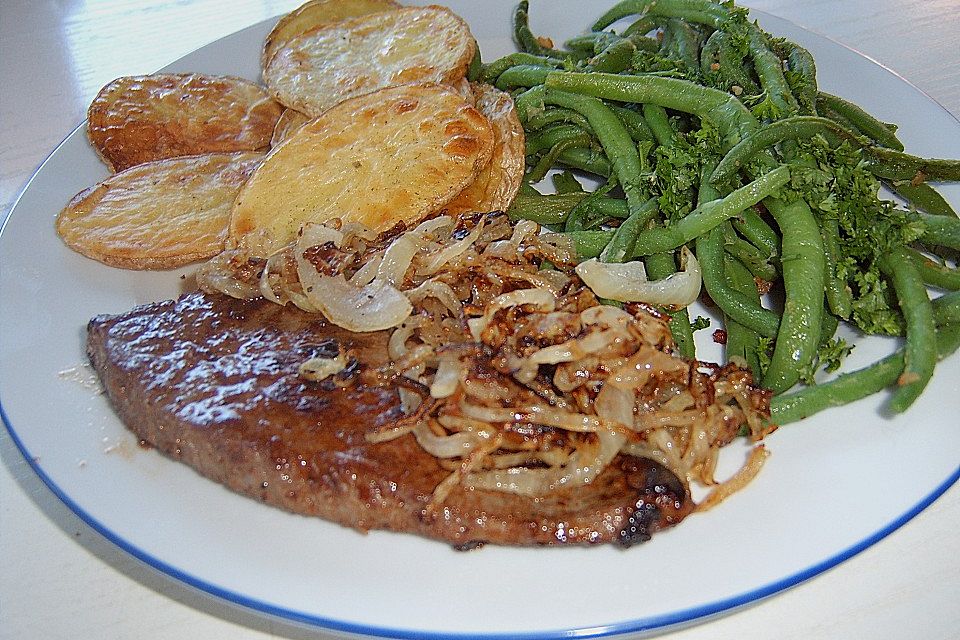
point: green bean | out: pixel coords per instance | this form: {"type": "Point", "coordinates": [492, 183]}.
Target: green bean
{"type": "Point", "coordinates": [551, 136]}
{"type": "Point", "coordinates": [723, 110]}
{"type": "Point", "coordinates": [613, 136]}
{"type": "Point", "coordinates": [591, 43]}
{"type": "Point", "coordinates": [521, 30]}
{"type": "Point", "coordinates": [752, 258]}
{"type": "Point", "coordinates": [934, 273]}
{"type": "Point", "coordinates": [526, 41]}
{"type": "Point", "coordinates": [522, 75]}
{"type": "Point", "coordinates": [742, 342]}
{"type": "Point", "coordinates": [584, 215]}
{"type": "Point", "coordinates": [625, 235]}
{"type": "Point", "coordinates": [769, 135]}
{"type": "Point", "coordinates": [659, 123]}
{"type": "Point", "coordinates": [579, 218]}
{"type": "Point", "coordinates": [828, 328]}
{"type": "Point", "coordinates": [708, 55]}
{"type": "Point", "coordinates": [681, 43]}
{"type": "Point", "coordinates": [825, 111]}
{"type": "Point", "coordinates": [920, 353]}
{"type": "Point", "coordinates": [752, 227]}
{"type": "Point", "coordinates": [742, 308]}
{"type": "Point", "coordinates": [803, 265]}
{"type": "Point", "coordinates": [643, 43]}
{"type": "Point", "coordinates": [733, 68]}
{"type": "Point", "coordinates": [942, 231]}
{"type": "Point", "coordinates": [614, 58]}
{"type": "Point", "coordinates": [475, 70]}
{"type": "Point", "coordinates": [588, 160]}
{"type": "Point", "coordinates": [601, 40]}
{"type": "Point", "coordinates": [490, 72]}
{"type": "Point", "coordinates": [539, 171]}
{"type": "Point", "coordinates": [706, 192]}
{"type": "Point", "coordinates": [584, 155]}
{"type": "Point", "coordinates": [660, 266]}
{"type": "Point", "coordinates": [589, 244]}
{"type": "Point", "coordinates": [634, 122]}
{"type": "Point", "coordinates": [862, 121]}
{"type": "Point", "coordinates": [768, 66]}
{"type": "Point", "coordinates": [554, 209]}
{"type": "Point", "coordinates": [769, 69]}
{"type": "Point", "coordinates": [710, 214]}
{"type": "Point", "coordinates": [555, 115]}
{"type": "Point", "coordinates": [699, 11]}
{"type": "Point", "coordinates": [855, 385]}
{"type": "Point", "coordinates": [801, 62]}
{"type": "Point", "coordinates": [922, 196]}
{"type": "Point", "coordinates": [641, 26]}
{"type": "Point", "coordinates": [837, 291]}
{"type": "Point", "coordinates": [543, 209]}
{"type": "Point", "coordinates": [946, 309]}
{"type": "Point", "coordinates": [890, 164]}
{"type": "Point", "coordinates": [885, 163]}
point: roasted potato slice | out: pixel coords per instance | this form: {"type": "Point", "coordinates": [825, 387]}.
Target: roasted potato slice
{"type": "Point", "coordinates": [137, 119]}
{"type": "Point", "coordinates": [289, 122]}
{"type": "Point", "coordinates": [500, 180]}
{"type": "Point", "coordinates": [158, 215]}
{"type": "Point", "coordinates": [318, 69]}
{"type": "Point", "coordinates": [394, 155]}
{"type": "Point", "coordinates": [314, 13]}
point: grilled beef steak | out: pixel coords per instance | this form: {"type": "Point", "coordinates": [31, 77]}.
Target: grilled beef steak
{"type": "Point", "coordinates": [213, 382]}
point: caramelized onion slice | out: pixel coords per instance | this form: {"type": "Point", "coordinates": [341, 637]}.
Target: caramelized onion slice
{"type": "Point", "coordinates": [372, 307]}
{"type": "Point", "coordinates": [581, 469]}
{"type": "Point", "coordinates": [539, 299]}
{"type": "Point", "coordinates": [627, 282]}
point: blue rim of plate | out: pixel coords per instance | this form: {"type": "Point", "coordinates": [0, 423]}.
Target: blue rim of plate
{"type": "Point", "coordinates": [657, 623]}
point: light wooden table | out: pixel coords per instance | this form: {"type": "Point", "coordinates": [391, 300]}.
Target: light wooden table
{"type": "Point", "coordinates": [60, 579]}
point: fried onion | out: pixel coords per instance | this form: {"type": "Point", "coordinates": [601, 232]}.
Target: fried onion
{"type": "Point", "coordinates": [513, 375]}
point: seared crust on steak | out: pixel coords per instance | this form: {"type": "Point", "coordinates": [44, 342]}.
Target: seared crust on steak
{"type": "Point", "coordinates": [213, 382]}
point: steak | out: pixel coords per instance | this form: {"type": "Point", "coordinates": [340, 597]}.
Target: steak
{"type": "Point", "coordinates": [213, 382]}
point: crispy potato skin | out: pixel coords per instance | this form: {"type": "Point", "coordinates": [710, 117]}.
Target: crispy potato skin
{"type": "Point", "coordinates": [395, 155]}
{"type": "Point", "coordinates": [499, 181]}
{"type": "Point", "coordinates": [319, 68]}
{"type": "Point", "coordinates": [313, 14]}
{"type": "Point", "coordinates": [137, 119]}
{"type": "Point", "coordinates": [158, 215]}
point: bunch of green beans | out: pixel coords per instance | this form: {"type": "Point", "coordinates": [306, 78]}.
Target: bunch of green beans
{"type": "Point", "coordinates": [656, 83]}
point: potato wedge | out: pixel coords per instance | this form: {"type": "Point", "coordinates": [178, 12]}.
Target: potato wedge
{"type": "Point", "coordinates": [314, 13]}
{"type": "Point", "coordinates": [381, 158]}
{"type": "Point", "coordinates": [500, 180]}
{"type": "Point", "coordinates": [318, 69]}
{"type": "Point", "coordinates": [137, 119]}
{"type": "Point", "coordinates": [289, 122]}
{"type": "Point", "coordinates": [158, 215]}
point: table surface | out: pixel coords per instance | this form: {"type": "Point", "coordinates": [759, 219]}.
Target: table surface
{"type": "Point", "coordinates": [60, 579]}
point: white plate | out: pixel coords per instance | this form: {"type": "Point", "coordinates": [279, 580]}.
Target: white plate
{"type": "Point", "coordinates": [834, 485]}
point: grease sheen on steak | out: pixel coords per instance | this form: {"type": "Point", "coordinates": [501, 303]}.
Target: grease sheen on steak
{"type": "Point", "coordinates": [213, 382]}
